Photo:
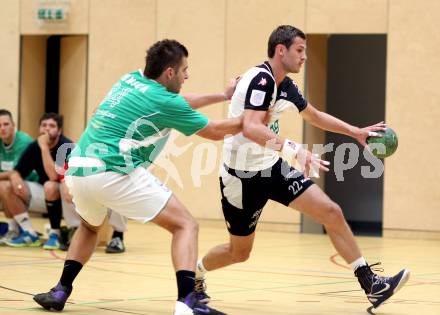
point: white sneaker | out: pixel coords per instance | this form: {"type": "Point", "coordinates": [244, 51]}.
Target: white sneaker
{"type": "Point", "coordinates": [190, 305]}
{"type": "Point", "coordinates": [182, 309]}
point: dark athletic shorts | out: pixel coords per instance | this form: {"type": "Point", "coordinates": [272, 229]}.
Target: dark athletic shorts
{"type": "Point", "coordinates": [244, 193]}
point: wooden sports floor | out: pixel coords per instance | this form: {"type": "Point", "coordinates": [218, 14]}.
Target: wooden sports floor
{"type": "Point", "coordinates": [288, 273]}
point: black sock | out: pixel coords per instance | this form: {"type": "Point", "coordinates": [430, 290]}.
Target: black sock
{"type": "Point", "coordinates": [185, 282]}
{"type": "Point", "coordinates": [70, 271]}
{"type": "Point", "coordinates": [55, 213]}
{"type": "Point", "coordinates": [118, 234]}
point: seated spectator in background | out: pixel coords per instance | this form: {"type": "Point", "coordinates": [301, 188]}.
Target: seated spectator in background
{"type": "Point", "coordinates": [12, 145]}
{"type": "Point", "coordinates": [119, 225]}
{"type": "Point", "coordinates": [71, 217]}
{"type": "Point", "coordinates": [39, 156]}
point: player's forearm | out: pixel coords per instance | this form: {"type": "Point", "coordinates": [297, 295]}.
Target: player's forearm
{"type": "Point", "coordinates": [200, 100]}
{"type": "Point", "coordinates": [227, 127]}
{"type": "Point", "coordinates": [49, 165]}
{"type": "Point", "coordinates": [15, 177]}
{"type": "Point", "coordinates": [219, 129]}
{"type": "Point", "coordinates": [5, 175]}
{"type": "Point", "coordinates": [330, 123]}
{"type": "Point", "coordinates": [262, 135]}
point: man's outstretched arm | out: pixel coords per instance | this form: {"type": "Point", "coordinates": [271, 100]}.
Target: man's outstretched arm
{"type": "Point", "coordinates": [200, 100]}
{"type": "Point", "coordinates": [218, 129]}
{"type": "Point", "coordinates": [328, 122]}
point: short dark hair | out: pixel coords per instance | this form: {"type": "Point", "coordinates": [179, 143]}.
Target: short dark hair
{"type": "Point", "coordinates": [5, 112]}
{"type": "Point", "coordinates": [285, 35]}
{"type": "Point", "coordinates": [57, 117]}
{"type": "Point", "coordinates": [163, 54]}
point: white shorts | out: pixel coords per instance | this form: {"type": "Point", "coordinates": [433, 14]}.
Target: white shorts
{"type": "Point", "coordinates": [37, 201]}
{"type": "Point", "coordinates": [139, 195]}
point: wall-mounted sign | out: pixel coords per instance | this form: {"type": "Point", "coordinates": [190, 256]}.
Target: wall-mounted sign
{"type": "Point", "coordinates": [51, 14]}
{"type": "Point", "coordinates": [52, 11]}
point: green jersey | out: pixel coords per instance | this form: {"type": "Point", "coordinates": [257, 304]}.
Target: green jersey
{"type": "Point", "coordinates": [10, 154]}
{"type": "Point", "coordinates": [131, 126]}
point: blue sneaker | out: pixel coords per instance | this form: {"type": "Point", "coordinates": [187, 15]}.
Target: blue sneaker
{"type": "Point", "coordinates": [54, 299]}
{"type": "Point", "coordinates": [378, 288]}
{"type": "Point", "coordinates": [53, 242]}
{"type": "Point", "coordinates": [200, 289]}
{"type": "Point", "coordinates": [24, 239]}
{"type": "Point", "coordinates": [190, 305]}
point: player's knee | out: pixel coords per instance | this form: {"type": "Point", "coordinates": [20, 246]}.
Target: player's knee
{"type": "Point", "coordinates": [189, 224]}
{"type": "Point", "coordinates": [241, 255]}
{"type": "Point", "coordinates": [334, 215]}
{"type": "Point", "coordinates": [51, 190]}
{"type": "Point", "coordinates": [193, 225]}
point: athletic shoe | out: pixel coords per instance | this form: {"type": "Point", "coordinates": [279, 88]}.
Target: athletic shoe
{"type": "Point", "coordinates": [200, 289]}
{"type": "Point", "coordinates": [378, 288]}
{"type": "Point", "coordinates": [24, 239]}
{"type": "Point", "coordinates": [8, 237]}
{"type": "Point", "coordinates": [53, 242]}
{"type": "Point", "coordinates": [190, 305]}
{"type": "Point", "coordinates": [115, 246]}
{"type": "Point", "coordinates": [54, 299]}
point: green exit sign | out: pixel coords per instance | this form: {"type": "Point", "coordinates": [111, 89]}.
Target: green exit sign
{"type": "Point", "coordinates": [50, 14]}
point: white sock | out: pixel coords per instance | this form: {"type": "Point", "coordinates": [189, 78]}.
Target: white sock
{"type": "Point", "coordinates": [25, 222]}
{"type": "Point", "coordinates": [55, 231]}
{"type": "Point", "coordinates": [358, 263]}
{"type": "Point", "coordinates": [12, 224]}
{"type": "Point", "coordinates": [200, 270]}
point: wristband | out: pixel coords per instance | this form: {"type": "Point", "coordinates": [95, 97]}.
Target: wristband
{"type": "Point", "coordinates": [290, 149]}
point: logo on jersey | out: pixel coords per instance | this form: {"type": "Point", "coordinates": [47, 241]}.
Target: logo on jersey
{"type": "Point", "coordinates": [283, 94]}
{"type": "Point", "coordinates": [292, 174]}
{"type": "Point", "coordinates": [262, 82]}
{"type": "Point", "coordinates": [292, 144]}
{"type": "Point", "coordinates": [275, 127]}
{"type": "Point", "coordinates": [257, 97]}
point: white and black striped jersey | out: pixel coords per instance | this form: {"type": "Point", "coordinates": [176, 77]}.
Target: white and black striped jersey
{"type": "Point", "coordinates": [257, 90]}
